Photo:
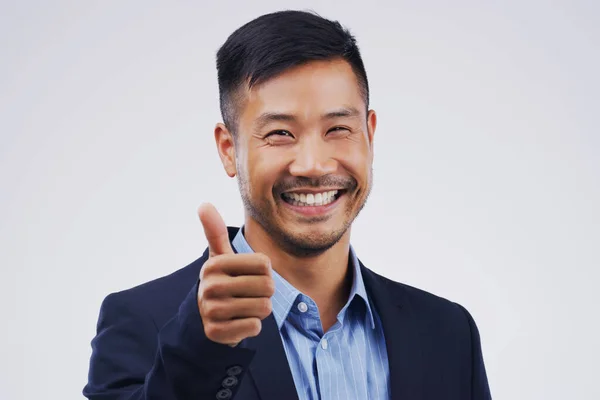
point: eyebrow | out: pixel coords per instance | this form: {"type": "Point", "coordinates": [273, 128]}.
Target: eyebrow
{"type": "Point", "coordinates": [341, 113]}
{"type": "Point", "coordinates": [268, 117]}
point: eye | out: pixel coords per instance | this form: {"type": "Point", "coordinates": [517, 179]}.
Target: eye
{"type": "Point", "coordinates": [339, 129]}
{"type": "Point", "coordinates": [279, 132]}
{"type": "Point", "coordinates": [279, 137]}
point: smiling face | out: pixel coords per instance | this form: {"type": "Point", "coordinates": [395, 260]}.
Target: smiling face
{"type": "Point", "coordinates": [303, 155]}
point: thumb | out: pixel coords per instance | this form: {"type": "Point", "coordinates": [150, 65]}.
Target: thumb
{"type": "Point", "coordinates": [214, 230]}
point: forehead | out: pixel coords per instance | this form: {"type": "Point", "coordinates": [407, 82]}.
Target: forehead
{"type": "Point", "coordinates": [306, 91]}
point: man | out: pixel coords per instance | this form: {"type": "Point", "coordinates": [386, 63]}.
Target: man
{"type": "Point", "coordinates": [282, 308]}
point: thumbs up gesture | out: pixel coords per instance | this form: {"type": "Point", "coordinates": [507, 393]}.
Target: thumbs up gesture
{"type": "Point", "coordinates": [235, 290]}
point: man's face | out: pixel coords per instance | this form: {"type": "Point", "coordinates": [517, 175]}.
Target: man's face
{"type": "Point", "coordinates": [304, 155]}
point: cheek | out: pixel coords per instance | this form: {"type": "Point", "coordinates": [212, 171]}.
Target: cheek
{"type": "Point", "coordinates": [262, 173]}
{"type": "Point", "coordinates": [355, 158]}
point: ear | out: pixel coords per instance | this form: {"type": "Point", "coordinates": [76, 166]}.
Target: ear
{"type": "Point", "coordinates": [226, 148]}
{"type": "Point", "coordinates": [371, 126]}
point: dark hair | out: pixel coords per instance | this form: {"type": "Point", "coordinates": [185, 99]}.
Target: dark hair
{"type": "Point", "coordinates": [273, 43]}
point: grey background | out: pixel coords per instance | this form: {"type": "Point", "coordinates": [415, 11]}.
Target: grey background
{"type": "Point", "coordinates": [486, 174]}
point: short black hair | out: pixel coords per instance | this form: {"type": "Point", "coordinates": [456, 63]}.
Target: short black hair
{"type": "Point", "coordinates": [273, 43]}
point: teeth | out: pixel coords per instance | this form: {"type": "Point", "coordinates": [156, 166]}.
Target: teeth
{"type": "Point", "coordinates": [310, 199]}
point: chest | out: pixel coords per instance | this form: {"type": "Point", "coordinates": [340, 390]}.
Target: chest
{"type": "Point", "coordinates": [347, 361]}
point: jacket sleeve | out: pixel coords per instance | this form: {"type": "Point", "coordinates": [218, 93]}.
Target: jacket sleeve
{"type": "Point", "coordinates": [134, 359]}
{"type": "Point", "coordinates": [480, 389]}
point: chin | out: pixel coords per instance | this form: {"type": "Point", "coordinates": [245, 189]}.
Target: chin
{"type": "Point", "coordinates": [311, 241]}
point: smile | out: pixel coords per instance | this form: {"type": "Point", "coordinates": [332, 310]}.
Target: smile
{"type": "Point", "coordinates": [307, 199]}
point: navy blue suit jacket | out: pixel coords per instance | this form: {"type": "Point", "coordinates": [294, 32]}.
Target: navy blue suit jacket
{"type": "Point", "coordinates": [150, 344]}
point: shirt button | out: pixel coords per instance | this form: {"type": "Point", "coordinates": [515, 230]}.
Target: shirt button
{"type": "Point", "coordinates": [324, 344]}
{"type": "Point", "coordinates": [302, 307]}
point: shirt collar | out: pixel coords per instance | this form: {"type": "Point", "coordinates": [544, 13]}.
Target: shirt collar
{"type": "Point", "coordinates": [285, 294]}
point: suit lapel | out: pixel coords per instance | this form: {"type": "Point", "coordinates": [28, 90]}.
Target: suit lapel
{"type": "Point", "coordinates": [402, 338]}
{"type": "Point", "coordinates": [269, 368]}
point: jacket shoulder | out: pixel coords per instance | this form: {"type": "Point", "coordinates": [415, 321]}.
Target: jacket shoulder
{"type": "Point", "coordinates": [429, 306]}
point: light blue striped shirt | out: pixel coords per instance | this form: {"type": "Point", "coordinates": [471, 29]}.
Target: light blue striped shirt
{"type": "Point", "coordinates": [347, 362]}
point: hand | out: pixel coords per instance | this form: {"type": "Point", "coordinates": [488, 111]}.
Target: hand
{"type": "Point", "coordinates": [235, 290]}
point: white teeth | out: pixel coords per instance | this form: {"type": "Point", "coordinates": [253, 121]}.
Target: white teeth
{"type": "Point", "coordinates": [318, 199]}
{"type": "Point", "coordinates": [310, 199]}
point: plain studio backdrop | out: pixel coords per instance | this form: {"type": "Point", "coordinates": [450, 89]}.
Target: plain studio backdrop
{"type": "Point", "coordinates": [486, 171]}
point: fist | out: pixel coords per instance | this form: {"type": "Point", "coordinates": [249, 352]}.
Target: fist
{"type": "Point", "coordinates": [235, 290]}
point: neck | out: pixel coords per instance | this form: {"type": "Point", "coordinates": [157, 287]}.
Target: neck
{"type": "Point", "coordinates": [307, 273]}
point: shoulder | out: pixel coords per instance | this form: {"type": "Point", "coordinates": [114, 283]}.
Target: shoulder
{"type": "Point", "coordinates": [430, 309]}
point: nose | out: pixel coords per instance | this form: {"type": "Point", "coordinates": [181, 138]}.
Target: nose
{"type": "Point", "coordinates": [313, 158]}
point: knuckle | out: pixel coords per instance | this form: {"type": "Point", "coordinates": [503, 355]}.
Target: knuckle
{"type": "Point", "coordinates": [207, 268]}
{"type": "Point", "coordinates": [212, 289]}
{"type": "Point", "coordinates": [264, 262]}
{"type": "Point", "coordinates": [205, 291]}
{"type": "Point", "coordinates": [213, 332]}
{"type": "Point", "coordinates": [265, 307]}
{"type": "Point", "coordinates": [201, 293]}
{"type": "Point", "coordinates": [202, 307]}
{"type": "Point", "coordinates": [254, 328]}
{"type": "Point", "coordinates": [213, 312]}
{"type": "Point", "coordinates": [269, 287]}
{"type": "Point", "coordinates": [212, 265]}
